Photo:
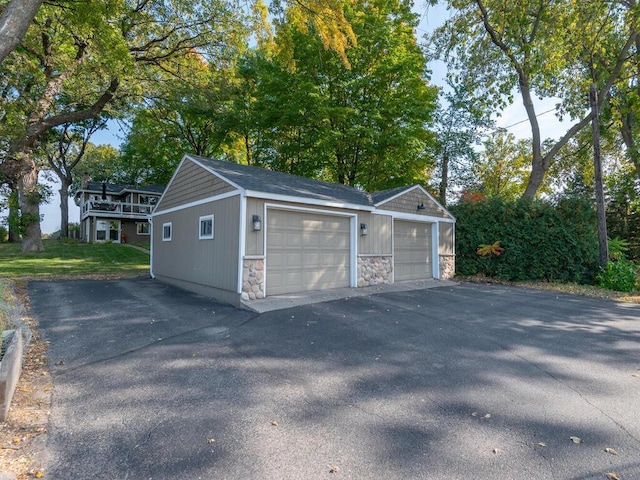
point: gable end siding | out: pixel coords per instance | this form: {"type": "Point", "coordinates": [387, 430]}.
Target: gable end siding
{"type": "Point", "coordinates": [408, 203]}
{"type": "Point", "coordinates": [190, 184]}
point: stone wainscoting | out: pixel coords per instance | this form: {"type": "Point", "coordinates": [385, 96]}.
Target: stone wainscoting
{"type": "Point", "coordinates": [252, 279]}
{"type": "Point", "coordinates": [447, 267]}
{"type": "Point", "coordinates": [374, 270]}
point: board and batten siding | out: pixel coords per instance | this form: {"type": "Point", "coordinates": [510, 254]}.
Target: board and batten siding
{"type": "Point", "coordinates": [254, 241]}
{"type": "Point", "coordinates": [192, 183]}
{"type": "Point", "coordinates": [445, 238]}
{"type": "Point", "coordinates": [378, 239]}
{"type": "Point", "coordinates": [408, 203]}
{"type": "Point", "coordinates": [210, 263]}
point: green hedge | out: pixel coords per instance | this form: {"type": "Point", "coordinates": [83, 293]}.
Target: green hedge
{"type": "Point", "coordinates": [541, 240]}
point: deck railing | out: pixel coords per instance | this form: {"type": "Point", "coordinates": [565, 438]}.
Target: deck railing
{"type": "Point", "coordinates": [117, 208]}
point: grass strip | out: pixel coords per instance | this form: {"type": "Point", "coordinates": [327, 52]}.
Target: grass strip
{"type": "Point", "coordinates": [72, 259]}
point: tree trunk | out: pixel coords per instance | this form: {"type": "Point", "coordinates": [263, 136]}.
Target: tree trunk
{"type": "Point", "coordinates": [538, 167]}
{"type": "Point", "coordinates": [600, 205]}
{"type": "Point", "coordinates": [64, 208]}
{"type": "Point", "coordinates": [14, 215]}
{"type": "Point", "coordinates": [14, 22]}
{"type": "Point", "coordinates": [444, 179]}
{"type": "Point", "coordinates": [29, 200]}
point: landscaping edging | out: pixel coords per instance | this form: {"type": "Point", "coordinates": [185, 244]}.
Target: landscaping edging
{"type": "Point", "coordinates": [10, 370]}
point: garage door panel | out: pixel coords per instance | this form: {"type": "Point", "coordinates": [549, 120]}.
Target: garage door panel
{"type": "Point", "coordinates": [412, 250]}
{"type": "Point", "coordinates": [306, 251]}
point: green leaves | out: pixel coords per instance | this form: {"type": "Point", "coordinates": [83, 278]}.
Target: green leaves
{"type": "Point", "coordinates": [364, 125]}
{"type": "Point", "coordinates": [541, 240]}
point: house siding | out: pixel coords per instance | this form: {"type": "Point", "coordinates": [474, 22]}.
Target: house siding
{"type": "Point", "coordinates": [254, 241]}
{"type": "Point", "coordinates": [408, 203]}
{"type": "Point", "coordinates": [378, 240]}
{"type": "Point", "coordinates": [130, 229]}
{"type": "Point", "coordinates": [192, 183]}
{"type": "Point", "coordinates": [446, 250]}
{"type": "Point", "coordinates": [188, 260]}
{"type": "Point", "coordinates": [445, 235]}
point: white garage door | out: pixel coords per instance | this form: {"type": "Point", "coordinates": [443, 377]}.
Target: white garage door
{"type": "Point", "coordinates": [306, 251]}
{"type": "Point", "coordinates": [412, 250]}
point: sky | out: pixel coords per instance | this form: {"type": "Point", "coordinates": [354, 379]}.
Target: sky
{"type": "Point", "coordinates": [513, 118]}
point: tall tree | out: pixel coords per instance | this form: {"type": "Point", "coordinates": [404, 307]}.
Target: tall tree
{"type": "Point", "coordinates": [535, 47]}
{"type": "Point", "coordinates": [75, 61]}
{"type": "Point", "coordinates": [502, 167]}
{"type": "Point", "coordinates": [459, 125]}
{"type": "Point", "coordinates": [366, 125]}
{"type": "Point", "coordinates": [62, 152]}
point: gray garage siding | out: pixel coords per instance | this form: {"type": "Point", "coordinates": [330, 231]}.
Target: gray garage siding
{"type": "Point", "coordinates": [445, 237]}
{"type": "Point", "coordinates": [378, 240]}
{"type": "Point", "coordinates": [191, 183]}
{"type": "Point", "coordinates": [408, 203]}
{"type": "Point", "coordinates": [254, 241]}
{"type": "Point", "coordinates": [212, 263]}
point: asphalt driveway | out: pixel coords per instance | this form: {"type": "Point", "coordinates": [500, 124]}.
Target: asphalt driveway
{"type": "Point", "coordinates": [463, 382]}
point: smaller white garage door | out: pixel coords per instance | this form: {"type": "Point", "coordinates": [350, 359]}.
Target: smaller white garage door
{"type": "Point", "coordinates": [306, 251]}
{"type": "Point", "coordinates": [412, 251]}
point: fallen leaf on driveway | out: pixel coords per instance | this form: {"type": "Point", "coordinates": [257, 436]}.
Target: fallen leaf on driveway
{"type": "Point", "coordinates": [541, 444]}
{"type": "Point", "coordinates": [274, 423]}
{"type": "Point", "coordinates": [333, 470]}
{"type": "Point", "coordinates": [576, 439]}
{"type": "Point", "coordinates": [611, 451]}
{"type": "Point", "coordinates": [476, 414]}
{"type": "Point", "coordinates": [612, 476]}
{"type": "Point", "coordinates": [634, 375]}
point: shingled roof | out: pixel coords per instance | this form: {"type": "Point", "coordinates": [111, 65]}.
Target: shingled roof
{"type": "Point", "coordinates": [119, 189]}
{"type": "Point", "coordinates": [268, 181]}
{"type": "Point", "coordinates": [382, 196]}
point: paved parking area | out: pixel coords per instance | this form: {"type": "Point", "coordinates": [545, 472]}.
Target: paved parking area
{"type": "Point", "coordinates": [456, 382]}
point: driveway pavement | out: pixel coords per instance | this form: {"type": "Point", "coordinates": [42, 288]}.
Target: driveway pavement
{"type": "Point", "coordinates": [456, 382]}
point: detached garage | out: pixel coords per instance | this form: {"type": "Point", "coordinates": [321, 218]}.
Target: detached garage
{"type": "Point", "coordinates": [239, 233]}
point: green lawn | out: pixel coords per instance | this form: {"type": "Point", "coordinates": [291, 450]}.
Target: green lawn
{"type": "Point", "coordinates": [75, 259]}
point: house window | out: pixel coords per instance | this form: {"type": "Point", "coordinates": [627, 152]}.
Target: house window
{"type": "Point", "coordinates": [166, 232]}
{"type": "Point", "coordinates": [142, 228]}
{"type": "Point", "coordinates": [206, 227]}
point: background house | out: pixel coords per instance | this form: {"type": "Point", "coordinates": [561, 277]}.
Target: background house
{"type": "Point", "coordinates": [117, 213]}
{"type": "Point", "coordinates": [234, 232]}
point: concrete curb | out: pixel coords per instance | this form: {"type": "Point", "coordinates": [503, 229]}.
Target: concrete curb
{"type": "Point", "coordinates": [10, 370]}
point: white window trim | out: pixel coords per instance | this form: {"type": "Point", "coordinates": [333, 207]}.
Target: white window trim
{"type": "Point", "coordinates": [170, 225]}
{"type": "Point", "coordinates": [204, 218]}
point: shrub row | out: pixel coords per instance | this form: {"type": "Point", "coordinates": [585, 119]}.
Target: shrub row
{"type": "Point", "coordinates": [541, 240]}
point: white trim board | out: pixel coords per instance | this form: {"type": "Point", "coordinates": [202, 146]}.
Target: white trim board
{"type": "Point", "coordinates": [419, 218]}
{"type": "Point", "coordinates": [195, 203]}
{"type": "Point", "coordinates": [308, 201]}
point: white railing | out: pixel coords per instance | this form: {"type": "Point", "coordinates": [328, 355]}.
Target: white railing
{"type": "Point", "coordinates": [108, 208]}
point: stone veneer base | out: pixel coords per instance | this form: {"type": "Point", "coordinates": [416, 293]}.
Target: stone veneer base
{"type": "Point", "coordinates": [374, 270]}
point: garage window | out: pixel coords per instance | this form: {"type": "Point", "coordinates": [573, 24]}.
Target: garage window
{"type": "Point", "coordinates": [206, 227]}
{"type": "Point", "coordinates": [167, 230]}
